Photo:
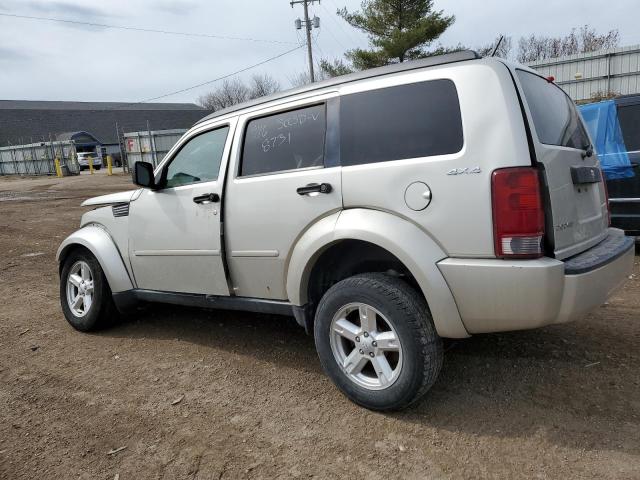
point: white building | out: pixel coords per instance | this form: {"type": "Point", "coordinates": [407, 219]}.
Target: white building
{"type": "Point", "coordinates": [587, 75]}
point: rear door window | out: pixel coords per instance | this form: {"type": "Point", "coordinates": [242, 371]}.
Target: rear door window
{"type": "Point", "coordinates": [555, 117]}
{"type": "Point", "coordinates": [285, 141]}
{"type": "Point", "coordinates": [395, 123]}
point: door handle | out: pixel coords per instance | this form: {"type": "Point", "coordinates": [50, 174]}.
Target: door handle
{"type": "Point", "coordinates": [207, 197]}
{"type": "Point", "coordinates": [314, 188]}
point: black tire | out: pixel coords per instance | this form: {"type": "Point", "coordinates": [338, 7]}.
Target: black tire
{"type": "Point", "coordinates": [408, 314]}
{"type": "Point", "coordinates": [102, 311]}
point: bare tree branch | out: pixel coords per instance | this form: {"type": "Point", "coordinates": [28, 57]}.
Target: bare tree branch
{"type": "Point", "coordinates": [234, 91]}
{"type": "Point", "coordinates": [583, 40]}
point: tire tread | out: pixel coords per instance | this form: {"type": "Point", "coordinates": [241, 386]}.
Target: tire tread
{"type": "Point", "coordinates": [416, 313]}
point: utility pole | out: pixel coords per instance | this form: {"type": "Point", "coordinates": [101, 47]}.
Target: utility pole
{"type": "Point", "coordinates": [308, 25]}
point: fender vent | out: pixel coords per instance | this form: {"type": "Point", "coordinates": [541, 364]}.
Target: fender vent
{"type": "Point", "coordinates": [120, 210]}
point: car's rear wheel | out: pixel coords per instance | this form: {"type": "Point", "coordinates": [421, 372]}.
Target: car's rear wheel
{"type": "Point", "coordinates": [85, 296]}
{"type": "Point", "coordinates": [376, 340]}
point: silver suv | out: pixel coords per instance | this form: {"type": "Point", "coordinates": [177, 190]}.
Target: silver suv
{"type": "Point", "coordinates": [384, 210]}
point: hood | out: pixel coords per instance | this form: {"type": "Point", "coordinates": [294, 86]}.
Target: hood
{"type": "Point", "coordinates": [112, 198]}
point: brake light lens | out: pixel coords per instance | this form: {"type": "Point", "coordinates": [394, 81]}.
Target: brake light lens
{"type": "Point", "coordinates": [518, 215]}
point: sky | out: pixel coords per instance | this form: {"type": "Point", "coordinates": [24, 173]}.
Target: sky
{"type": "Point", "coordinates": [45, 60]}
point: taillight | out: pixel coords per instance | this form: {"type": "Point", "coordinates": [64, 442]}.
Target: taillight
{"type": "Point", "coordinates": [606, 197]}
{"type": "Point", "coordinates": [518, 215]}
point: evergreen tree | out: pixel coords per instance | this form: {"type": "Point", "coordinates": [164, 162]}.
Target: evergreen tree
{"type": "Point", "coordinates": [398, 30]}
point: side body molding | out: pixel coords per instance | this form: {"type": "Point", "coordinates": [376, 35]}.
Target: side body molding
{"type": "Point", "coordinates": [98, 241]}
{"type": "Point", "coordinates": [415, 249]}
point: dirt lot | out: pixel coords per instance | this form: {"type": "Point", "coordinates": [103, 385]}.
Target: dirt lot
{"type": "Point", "coordinates": [560, 402]}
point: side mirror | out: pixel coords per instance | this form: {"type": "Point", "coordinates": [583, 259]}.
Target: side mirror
{"type": "Point", "coordinates": [143, 175]}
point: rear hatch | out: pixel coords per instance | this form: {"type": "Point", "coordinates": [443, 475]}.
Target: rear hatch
{"type": "Point", "coordinates": [576, 206]}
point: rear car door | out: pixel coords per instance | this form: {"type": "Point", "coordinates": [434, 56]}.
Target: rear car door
{"type": "Point", "coordinates": [175, 242]}
{"type": "Point", "coordinates": [577, 212]}
{"type": "Point", "coordinates": [285, 178]}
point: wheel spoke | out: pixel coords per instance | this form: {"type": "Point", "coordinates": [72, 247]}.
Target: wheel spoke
{"type": "Point", "coordinates": [75, 279]}
{"type": "Point", "coordinates": [84, 271]}
{"type": "Point", "coordinates": [387, 341]}
{"type": "Point", "coordinates": [347, 329]}
{"type": "Point", "coordinates": [367, 318]}
{"type": "Point", "coordinates": [86, 302]}
{"type": "Point", "coordinates": [354, 363]}
{"type": "Point", "coordinates": [382, 368]}
{"type": "Point", "coordinates": [76, 302]}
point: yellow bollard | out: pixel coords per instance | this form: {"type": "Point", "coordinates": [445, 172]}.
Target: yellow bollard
{"type": "Point", "coordinates": [90, 161]}
{"type": "Point", "coordinates": [58, 167]}
{"type": "Point", "coordinates": [109, 165]}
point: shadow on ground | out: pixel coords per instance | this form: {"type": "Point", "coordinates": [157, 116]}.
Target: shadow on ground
{"type": "Point", "coordinates": [564, 382]}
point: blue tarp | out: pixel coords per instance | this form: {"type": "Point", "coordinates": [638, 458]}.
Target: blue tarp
{"type": "Point", "coordinates": [602, 122]}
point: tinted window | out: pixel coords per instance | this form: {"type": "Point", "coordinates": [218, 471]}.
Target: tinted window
{"type": "Point", "coordinates": [629, 116]}
{"type": "Point", "coordinates": [198, 160]}
{"type": "Point", "coordinates": [555, 117]}
{"type": "Point", "coordinates": [285, 141]}
{"type": "Point", "coordinates": [408, 121]}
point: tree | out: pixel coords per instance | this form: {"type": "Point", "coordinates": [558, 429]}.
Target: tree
{"type": "Point", "coordinates": [503, 51]}
{"type": "Point", "coordinates": [335, 68]}
{"type": "Point", "coordinates": [234, 91]}
{"type": "Point", "coordinates": [231, 92]}
{"type": "Point", "coordinates": [324, 70]}
{"type": "Point", "coordinates": [263, 85]}
{"type": "Point", "coordinates": [398, 30]}
{"type": "Point", "coordinates": [584, 40]}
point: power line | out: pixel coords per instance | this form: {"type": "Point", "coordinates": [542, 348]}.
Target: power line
{"type": "Point", "coordinates": [314, 39]}
{"type": "Point", "coordinates": [147, 30]}
{"type": "Point", "coordinates": [338, 23]}
{"type": "Point", "coordinates": [219, 78]}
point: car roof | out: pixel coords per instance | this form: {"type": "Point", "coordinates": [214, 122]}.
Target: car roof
{"type": "Point", "coordinates": [454, 57]}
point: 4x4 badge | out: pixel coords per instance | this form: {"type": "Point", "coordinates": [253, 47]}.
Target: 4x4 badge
{"type": "Point", "coordinates": [464, 171]}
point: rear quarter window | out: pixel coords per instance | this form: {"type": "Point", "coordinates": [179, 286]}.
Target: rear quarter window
{"type": "Point", "coordinates": [555, 117]}
{"type": "Point", "coordinates": [394, 123]}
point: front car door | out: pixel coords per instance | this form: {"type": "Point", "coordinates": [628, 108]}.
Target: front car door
{"type": "Point", "coordinates": [284, 178]}
{"type": "Point", "coordinates": [175, 231]}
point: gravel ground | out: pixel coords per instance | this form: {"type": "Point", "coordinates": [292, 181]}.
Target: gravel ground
{"type": "Point", "coordinates": [185, 393]}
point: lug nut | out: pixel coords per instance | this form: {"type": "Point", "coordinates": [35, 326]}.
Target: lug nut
{"type": "Point", "coordinates": [361, 352]}
{"type": "Point", "coordinates": [371, 354]}
{"type": "Point", "coordinates": [357, 339]}
{"type": "Point", "coordinates": [374, 343]}
{"type": "Point", "coordinates": [366, 334]}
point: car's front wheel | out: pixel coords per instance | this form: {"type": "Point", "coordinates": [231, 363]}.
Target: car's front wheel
{"type": "Point", "coordinates": [376, 340]}
{"type": "Point", "coordinates": [85, 296]}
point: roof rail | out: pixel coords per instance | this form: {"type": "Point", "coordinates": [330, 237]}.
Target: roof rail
{"type": "Point", "coordinates": [454, 57]}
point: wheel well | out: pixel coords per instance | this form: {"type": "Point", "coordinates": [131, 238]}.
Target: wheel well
{"type": "Point", "coordinates": [351, 257]}
{"type": "Point", "coordinates": [69, 249]}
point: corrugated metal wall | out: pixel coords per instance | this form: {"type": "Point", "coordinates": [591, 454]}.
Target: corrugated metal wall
{"type": "Point", "coordinates": [38, 159]}
{"type": "Point", "coordinates": [140, 147]}
{"type": "Point", "coordinates": [584, 75]}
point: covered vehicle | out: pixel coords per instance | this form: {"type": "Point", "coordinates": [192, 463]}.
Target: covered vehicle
{"type": "Point", "coordinates": [614, 126]}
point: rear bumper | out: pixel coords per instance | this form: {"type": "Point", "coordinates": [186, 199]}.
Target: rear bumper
{"type": "Point", "coordinates": [495, 295]}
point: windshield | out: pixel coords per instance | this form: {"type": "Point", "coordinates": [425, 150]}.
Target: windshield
{"type": "Point", "coordinates": [555, 117]}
